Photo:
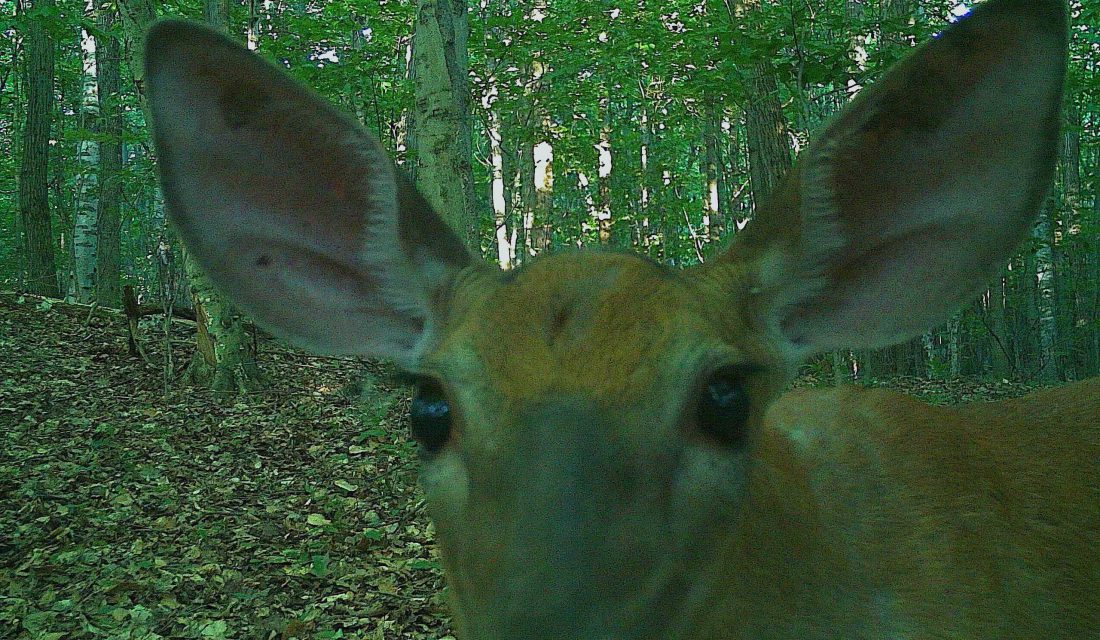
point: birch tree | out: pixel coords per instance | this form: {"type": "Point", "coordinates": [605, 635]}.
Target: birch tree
{"type": "Point", "coordinates": [85, 225]}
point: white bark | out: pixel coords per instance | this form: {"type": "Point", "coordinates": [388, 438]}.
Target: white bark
{"type": "Point", "coordinates": [1044, 275]}
{"type": "Point", "coordinates": [85, 219]}
{"type": "Point", "coordinates": [505, 246]}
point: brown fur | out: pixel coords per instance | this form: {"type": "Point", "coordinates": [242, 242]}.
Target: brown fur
{"type": "Point", "coordinates": [981, 521]}
{"type": "Point", "coordinates": [866, 514]}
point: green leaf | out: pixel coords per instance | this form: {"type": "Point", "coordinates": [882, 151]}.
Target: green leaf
{"type": "Point", "coordinates": [320, 566]}
{"type": "Point", "coordinates": [215, 629]}
{"type": "Point", "coordinates": [317, 520]}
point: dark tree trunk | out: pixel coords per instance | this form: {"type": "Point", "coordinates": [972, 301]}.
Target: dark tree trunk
{"type": "Point", "coordinates": [34, 206]}
{"type": "Point", "coordinates": [768, 140]}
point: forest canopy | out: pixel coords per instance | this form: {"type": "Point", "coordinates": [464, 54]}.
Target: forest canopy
{"type": "Point", "coordinates": [651, 126]}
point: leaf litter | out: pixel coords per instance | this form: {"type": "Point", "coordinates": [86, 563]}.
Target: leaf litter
{"type": "Point", "coordinates": [129, 512]}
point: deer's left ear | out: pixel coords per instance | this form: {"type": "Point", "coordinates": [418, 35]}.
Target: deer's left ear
{"type": "Point", "coordinates": [919, 191]}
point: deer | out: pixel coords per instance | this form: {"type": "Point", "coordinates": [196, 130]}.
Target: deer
{"type": "Point", "coordinates": [609, 447]}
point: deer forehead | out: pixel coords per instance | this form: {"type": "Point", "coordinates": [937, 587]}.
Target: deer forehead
{"type": "Point", "coordinates": [571, 320]}
{"type": "Point", "coordinates": [609, 327]}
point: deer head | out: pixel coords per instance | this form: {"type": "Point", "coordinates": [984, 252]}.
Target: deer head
{"type": "Point", "coordinates": [597, 452]}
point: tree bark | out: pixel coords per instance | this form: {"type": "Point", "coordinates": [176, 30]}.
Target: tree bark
{"type": "Point", "coordinates": [85, 226]}
{"type": "Point", "coordinates": [1074, 281]}
{"type": "Point", "coordinates": [136, 16]}
{"type": "Point", "coordinates": [604, 220]}
{"type": "Point", "coordinates": [504, 243]}
{"type": "Point", "coordinates": [1045, 277]}
{"type": "Point", "coordinates": [34, 207]}
{"type": "Point", "coordinates": [441, 120]}
{"type": "Point", "coordinates": [109, 220]}
{"type": "Point", "coordinates": [1000, 348]}
{"type": "Point", "coordinates": [541, 151]}
{"type": "Point", "coordinates": [544, 188]}
{"type": "Point", "coordinates": [767, 131]}
{"type": "Point", "coordinates": [715, 219]}
{"type": "Point", "coordinates": [225, 358]}
{"type": "Point", "coordinates": [523, 192]}
{"type": "Point", "coordinates": [1092, 253]}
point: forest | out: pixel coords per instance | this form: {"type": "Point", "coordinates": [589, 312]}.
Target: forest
{"type": "Point", "coordinates": [170, 469]}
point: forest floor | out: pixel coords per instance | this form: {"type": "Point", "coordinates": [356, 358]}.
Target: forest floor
{"type": "Point", "coordinates": [131, 508]}
{"type": "Point", "coordinates": [129, 512]}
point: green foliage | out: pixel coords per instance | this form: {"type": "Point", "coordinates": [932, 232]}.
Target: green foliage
{"type": "Point", "coordinates": [649, 77]}
{"type": "Point", "coordinates": [606, 62]}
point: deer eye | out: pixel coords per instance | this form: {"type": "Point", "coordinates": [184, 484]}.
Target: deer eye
{"type": "Point", "coordinates": [722, 413]}
{"type": "Point", "coordinates": [430, 416]}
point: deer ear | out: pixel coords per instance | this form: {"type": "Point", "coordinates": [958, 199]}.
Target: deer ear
{"type": "Point", "coordinates": [290, 207]}
{"type": "Point", "coordinates": [919, 191]}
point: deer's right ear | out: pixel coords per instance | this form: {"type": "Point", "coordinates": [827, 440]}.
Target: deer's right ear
{"type": "Point", "coordinates": [290, 207]}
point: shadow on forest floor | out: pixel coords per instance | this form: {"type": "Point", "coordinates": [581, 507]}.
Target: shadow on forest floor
{"type": "Point", "coordinates": [129, 512]}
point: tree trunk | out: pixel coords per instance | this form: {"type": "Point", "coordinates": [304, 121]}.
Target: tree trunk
{"type": "Point", "coordinates": [842, 373]}
{"type": "Point", "coordinates": [504, 245]}
{"type": "Point", "coordinates": [216, 14]}
{"type": "Point", "coordinates": [523, 193]}
{"type": "Point", "coordinates": [136, 16]}
{"type": "Point", "coordinates": [954, 358]}
{"type": "Point", "coordinates": [769, 142]}
{"type": "Point", "coordinates": [1093, 256]}
{"type": "Point", "coordinates": [87, 186]}
{"type": "Point", "coordinates": [225, 357]}
{"type": "Point", "coordinates": [543, 158]}
{"type": "Point", "coordinates": [1000, 348]}
{"type": "Point", "coordinates": [647, 237]}
{"type": "Point", "coordinates": [715, 219]}
{"type": "Point", "coordinates": [34, 206]}
{"type": "Point", "coordinates": [441, 120]}
{"type": "Point", "coordinates": [542, 151]}
{"type": "Point", "coordinates": [1045, 301]}
{"type": "Point", "coordinates": [928, 345]}
{"type": "Point", "coordinates": [1074, 280]}
{"type": "Point", "coordinates": [1022, 302]}
{"type": "Point", "coordinates": [604, 221]}
{"type": "Point", "coordinates": [109, 221]}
